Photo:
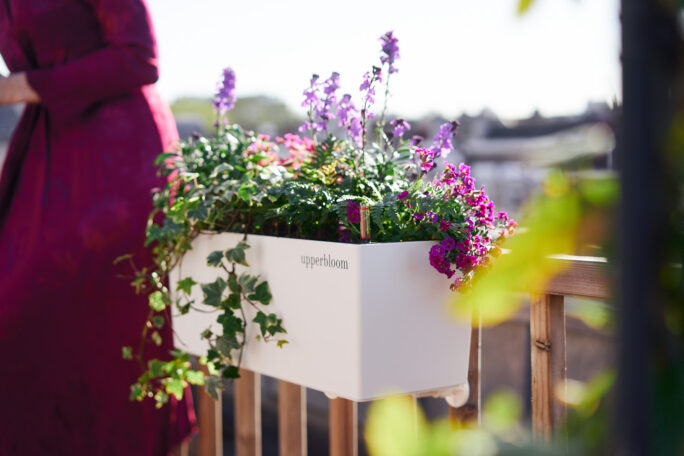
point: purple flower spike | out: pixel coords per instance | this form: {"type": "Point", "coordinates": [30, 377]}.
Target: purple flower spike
{"type": "Point", "coordinates": [415, 140]}
{"type": "Point", "coordinates": [441, 144]}
{"type": "Point", "coordinates": [311, 93]}
{"type": "Point", "coordinates": [224, 100]}
{"type": "Point", "coordinates": [390, 49]}
{"type": "Point", "coordinates": [400, 127]}
{"type": "Point", "coordinates": [367, 87]}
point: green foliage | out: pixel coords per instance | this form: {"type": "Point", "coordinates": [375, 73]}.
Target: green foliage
{"type": "Point", "coordinates": [524, 6]}
{"type": "Point", "coordinates": [241, 182]}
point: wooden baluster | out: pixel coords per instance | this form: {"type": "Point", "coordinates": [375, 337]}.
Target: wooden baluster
{"type": "Point", "coordinates": [470, 411]}
{"type": "Point", "coordinates": [291, 419]}
{"type": "Point", "coordinates": [549, 372]}
{"type": "Point", "coordinates": [248, 414]}
{"type": "Point", "coordinates": [343, 428]}
{"type": "Point", "coordinates": [182, 450]}
{"type": "Point", "coordinates": [210, 422]}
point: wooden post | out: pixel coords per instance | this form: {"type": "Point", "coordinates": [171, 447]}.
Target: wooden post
{"type": "Point", "coordinates": [248, 414]}
{"type": "Point", "coordinates": [291, 419]}
{"type": "Point", "coordinates": [470, 411]}
{"type": "Point", "coordinates": [343, 428]}
{"type": "Point", "coordinates": [547, 345]}
{"type": "Point", "coordinates": [210, 422]}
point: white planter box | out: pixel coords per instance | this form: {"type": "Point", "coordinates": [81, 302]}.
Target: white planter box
{"type": "Point", "coordinates": [363, 321]}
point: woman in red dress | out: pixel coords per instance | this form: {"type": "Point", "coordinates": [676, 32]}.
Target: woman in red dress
{"type": "Point", "coordinates": [74, 195]}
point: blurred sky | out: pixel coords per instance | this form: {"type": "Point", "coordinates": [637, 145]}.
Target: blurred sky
{"type": "Point", "coordinates": [456, 55]}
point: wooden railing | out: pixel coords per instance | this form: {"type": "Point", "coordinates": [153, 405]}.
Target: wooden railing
{"type": "Point", "coordinates": [583, 277]}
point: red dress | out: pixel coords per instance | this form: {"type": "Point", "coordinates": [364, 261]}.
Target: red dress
{"type": "Point", "coordinates": [74, 195]}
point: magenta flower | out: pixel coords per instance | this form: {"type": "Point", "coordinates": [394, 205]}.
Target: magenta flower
{"type": "Point", "coordinates": [427, 159]}
{"type": "Point", "coordinates": [437, 250]}
{"type": "Point", "coordinates": [344, 234]}
{"type": "Point", "coordinates": [403, 195]}
{"type": "Point", "coordinates": [353, 213]}
{"type": "Point", "coordinates": [444, 225]}
{"type": "Point", "coordinates": [449, 244]}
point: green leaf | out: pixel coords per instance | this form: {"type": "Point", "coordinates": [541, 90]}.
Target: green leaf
{"type": "Point", "coordinates": [160, 399]}
{"type": "Point", "coordinates": [231, 372]}
{"type": "Point", "coordinates": [175, 386]}
{"type": "Point", "coordinates": [233, 301]}
{"type": "Point", "coordinates": [158, 321]}
{"type": "Point", "coordinates": [263, 293]}
{"type": "Point", "coordinates": [213, 292]}
{"type": "Point", "coordinates": [231, 324]}
{"type": "Point", "coordinates": [247, 282]}
{"type": "Point", "coordinates": [261, 320]}
{"type": "Point", "coordinates": [155, 367]}
{"type": "Point", "coordinates": [156, 301]}
{"type": "Point", "coordinates": [195, 377]}
{"type": "Point", "coordinates": [226, 345]}
{"type": "Point", "coordinates": [233, 283]}
{"type": "Point", "coordinates": [237, 254]}
{"type": "Point", "coordinates": [156, 338]}
{"type": "Point", "coordinates": [524, 6]}
{"type": "Point", "coordinates": [212, 385]}
{"type": "Point", "coordinates": [214, 259]}
{"type": "Point", "coordinates": [126, 352]}
{"type": "Point", "coordinates": [281, 343]}
{"type": "Point", "coordinates": [186, 285]}
{"type": "Point", "coordinates": [163, 157]}
{"type": "Point", "coordinates": [137, 393]}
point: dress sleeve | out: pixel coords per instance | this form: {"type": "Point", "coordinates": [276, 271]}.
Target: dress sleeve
{"type": "Point", "coordinates": [128, 61]}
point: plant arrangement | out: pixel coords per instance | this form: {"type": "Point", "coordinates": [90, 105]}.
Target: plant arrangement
{"type": "Point", "coordinates": [317, 187]}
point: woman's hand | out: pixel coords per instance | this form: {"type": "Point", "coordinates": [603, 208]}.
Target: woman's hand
{"type": "Point", "coordinates": [16, 89]}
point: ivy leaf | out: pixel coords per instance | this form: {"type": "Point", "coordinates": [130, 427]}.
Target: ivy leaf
{"type": "Point", "coordinates": [263, 294]}
{"type": "Point", "coordinates": [214, 258]}
{"type": "Point", "coordinates": [226, 345]}
{"type": "Point", "coordinates": [137, 393]}
{"type": "Point", "coordinates": [233, 283]}
{"type": "Point", "coordinates": [175, 386]}
{"type": "Point", "coordinates": [186, 285]}
{"type": "Point", "coordinates": [126, 352]}
{"type": "Point", "coordinates": [281, 343]}
{"type": "Point", "coordinates": [233, 301]}
{"type": "Point", "coordinates": [231, 324]}
{"type": "Point", "coordinates": [237, 254]}
{"type": "Point", "coordinates": [195, 377]}
{"type": "Point", "coordinates": [213, 292]}
{"type": "Point", "coordinates": [231, 372]}
{"type": "Point", "coordinates": [212, 385]}
{"type": "Point", "coordinates": [156, 301]}
{"type": "Point", "coordinates": [155, 367]}
{"type": "Point", "coordinates": [158, 321]}
{"type": "Point", "coordinates": [156, 338]}
{"type": "Point", "coordinates": [247, 282]}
